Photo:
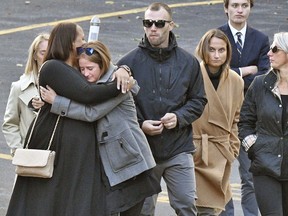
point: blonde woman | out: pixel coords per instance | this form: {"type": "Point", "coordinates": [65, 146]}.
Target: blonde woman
{"type": "Point", "coordinates": [18, 116]}
{"type": "Point", "coordinates": [263, 127]}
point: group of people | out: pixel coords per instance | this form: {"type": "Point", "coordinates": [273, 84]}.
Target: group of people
{"type": "Point", "coordinates": [190, 119]}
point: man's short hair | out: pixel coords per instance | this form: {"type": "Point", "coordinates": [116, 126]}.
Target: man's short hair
{"type": "Point", "coordinates": [226, 2]}
{"type": "Point", "coordinates": [156, 6]}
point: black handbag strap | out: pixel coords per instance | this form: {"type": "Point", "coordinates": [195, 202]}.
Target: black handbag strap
{"type": "Point", "coordinates": [52, 136]}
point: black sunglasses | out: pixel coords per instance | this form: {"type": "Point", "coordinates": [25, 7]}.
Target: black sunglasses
{"type": "Point", "coordinates": [158, 23]}
{"type": "Point", "coordinates": [88, 51]}
{"type": "Point", "coordinates": [275, 49]}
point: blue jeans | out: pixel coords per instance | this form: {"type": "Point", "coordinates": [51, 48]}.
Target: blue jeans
{"type": "Point", "coordinates": [248, 199]}
{"type": "Point", "coordinates": [179, 176]}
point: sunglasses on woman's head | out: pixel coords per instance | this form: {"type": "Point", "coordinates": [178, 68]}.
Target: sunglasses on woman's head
{"type": "Point", "coordinates": [88, 51]}
{"type": "Point", "coordinates": [275, 49]}
{"type": "Point", "coordinates": [158, 23]}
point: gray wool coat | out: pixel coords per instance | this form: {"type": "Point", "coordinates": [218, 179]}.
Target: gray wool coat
{"type": "Point", "coordinates": [123, 146]}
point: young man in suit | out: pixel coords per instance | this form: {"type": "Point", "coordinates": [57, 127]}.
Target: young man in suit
{"type": "Point", "coordinates": [249, 59]}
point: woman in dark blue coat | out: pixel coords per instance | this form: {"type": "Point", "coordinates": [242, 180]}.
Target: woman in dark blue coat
{"type": "Point", "coordinates": [263, 127]}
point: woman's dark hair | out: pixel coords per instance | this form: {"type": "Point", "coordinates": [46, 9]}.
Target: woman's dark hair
{"type": "Point", "coordinates": [60, 43]}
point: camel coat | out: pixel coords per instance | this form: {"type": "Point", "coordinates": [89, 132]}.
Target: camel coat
{"type": "Point", "coordinates": [215, 136]}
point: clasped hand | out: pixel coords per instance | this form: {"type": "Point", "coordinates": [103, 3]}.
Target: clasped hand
{"type": "Point", "coordinates": [155, 127]}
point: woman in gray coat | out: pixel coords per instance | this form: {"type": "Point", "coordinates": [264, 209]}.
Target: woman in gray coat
{"type": "Point", "coordinates": [124, 150]}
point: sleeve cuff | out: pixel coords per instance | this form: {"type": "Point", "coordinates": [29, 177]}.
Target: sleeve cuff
{"type": "Point", "coordinates": [240, 71]}
{"type": "Point", "coordinates": [60, 105]}
{"type": "Point", "coordinates": [248, 141]}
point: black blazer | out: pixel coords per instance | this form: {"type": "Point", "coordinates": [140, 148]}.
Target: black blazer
{"type": "Point", "coordinates": [256, 47]}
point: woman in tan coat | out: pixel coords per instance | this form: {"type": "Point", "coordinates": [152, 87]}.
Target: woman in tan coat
{"type": "Point", "coordinates": [215, 132]}
{"type": "Point", "coordinates": [18, 116]}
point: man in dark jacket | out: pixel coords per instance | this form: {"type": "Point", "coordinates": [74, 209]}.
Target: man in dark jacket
{"type": "Point", "coordinates": [171, 97]}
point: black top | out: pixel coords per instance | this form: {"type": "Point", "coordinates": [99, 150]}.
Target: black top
{"type": "Point", "coordinates": [284, 171]}
{"type": "Point", "coordinates": [70, 83]}
{"type": "Point", "coordinates": [214, 77]}
{"type": "Point", "coordinates": [284, 99]}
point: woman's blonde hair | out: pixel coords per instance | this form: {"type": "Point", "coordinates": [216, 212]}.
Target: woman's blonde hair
{"type": "Point", "coordinates": [281, 39]}
{"type": "Point", "coordinates": [31, 64]}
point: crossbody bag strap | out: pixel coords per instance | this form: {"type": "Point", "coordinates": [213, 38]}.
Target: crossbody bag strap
{"type": "Point", "coordinates": [32, 128]}
{"type": "Point", "coordinates": [56, 124]}
{"type": "Point", "coordinates": [38, 88]}
{"type": "Point", "coordinates": [52, 136]}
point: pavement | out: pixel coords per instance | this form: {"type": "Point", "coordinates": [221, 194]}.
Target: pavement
{"type": "Point", "coordinates": [120, 30]}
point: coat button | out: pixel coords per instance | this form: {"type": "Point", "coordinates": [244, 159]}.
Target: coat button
{"type": "Point", "coordinates": [279, 155]}
{"type": "Point", "coordinates": [62, 113]}
{"type": "Point", "coordinates": [280, 105]}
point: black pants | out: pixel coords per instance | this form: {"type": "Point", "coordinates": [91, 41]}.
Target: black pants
{"type": "Point", "coordinates": [133, 211]}
{"type": "Point", "coordinates": [271, 195]}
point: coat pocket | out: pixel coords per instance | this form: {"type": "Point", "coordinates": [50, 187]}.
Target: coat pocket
{"type": "Point", "coordinates": [120, 151]}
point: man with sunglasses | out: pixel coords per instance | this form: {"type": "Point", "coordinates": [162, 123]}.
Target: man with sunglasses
{"type": "Point", "coordinates": [171, 97]}
{"type": "Point", "coordinates": [249, 59]}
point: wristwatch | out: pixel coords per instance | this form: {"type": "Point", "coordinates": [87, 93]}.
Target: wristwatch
{"type": "Point", "coordinates": [125, 67]}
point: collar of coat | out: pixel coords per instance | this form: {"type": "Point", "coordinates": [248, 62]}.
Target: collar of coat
{"type": "Point", "coordinates": [28, 87]}
{"type": "Point", "coordinates": [270, 81]}
{"type": "Point", "coordinates": [216, 112]}
{"type": "Point", "coordinates": [159, 54]}
{"type": "Point", "coordinates": [27, 80]}
{"type": "Point", "coordinates": [107, 77]}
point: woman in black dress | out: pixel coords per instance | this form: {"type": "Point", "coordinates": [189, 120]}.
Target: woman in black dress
{"type": "Point", "coordinates": [76, 187]}
{"type": "Point", "coordinates": [124, 150]}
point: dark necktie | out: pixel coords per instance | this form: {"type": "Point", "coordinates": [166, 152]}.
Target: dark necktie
{"type": "Point", "coordinates": [239, 43]}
